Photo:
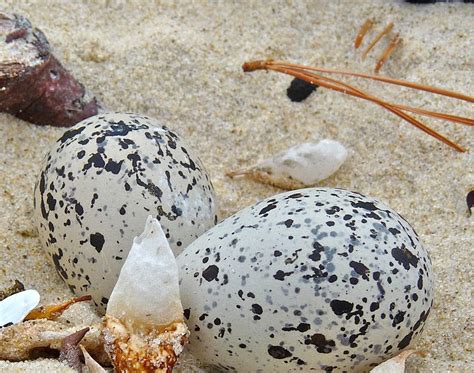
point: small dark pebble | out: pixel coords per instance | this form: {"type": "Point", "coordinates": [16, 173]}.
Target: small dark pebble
{"type": "Point", "coordinates": [299, 90]}
{"type": "Point", "coordinates": [470, 201]}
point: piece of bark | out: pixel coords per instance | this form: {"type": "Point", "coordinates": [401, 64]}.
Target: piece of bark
{"type": "Point", "coordinates": [34, 86]}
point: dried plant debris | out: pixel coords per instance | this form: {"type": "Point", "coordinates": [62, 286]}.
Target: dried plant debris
{"type": "Point", "coordinates": [32, 339]}
{"type": "Point", "coordinates": [362, 32]}
{"type": "Point", "coordinates": [144, 328]}
{"type": "Point", "coordinates": [299, 90]}
{"type": "Point", "coordinates": [470, 201]}
{"type": "Point", "coordinates": [91, 365]}
{"type": "Point", "coordinates": [298, 167]}
{"type": "Point", "coordinates": [53, 311]}
{"type": "Point", "coordinates": [313, 75]}
{"type": "Point", "coordinates": [387, 52]}
{"type": "Point", "coordinates": [13, 289]}
{"type": "Point", "coordinates": [396, 364]}
{"type": "Point", "coordinates": [70, 352]}
{"type": "Point", "coordinates": [34, 86]}
{"type": "Point", "coordinates": [16, 307]}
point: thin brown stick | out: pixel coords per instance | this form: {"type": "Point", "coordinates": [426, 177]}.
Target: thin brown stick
{"type": "Point", "coordinates": [362, 31]}
{"type": "Point", "coordinates": [429, 113]}
{"type": "Point", "coordinates": [385, 31]}
{"type": "Point", "coordinates": [387, 52]}
{"type": "Point", "coordinates": [339, 86]}
{"type": "Point", "coordinates": [348, 89]}
{"type": "Point", "coordinates": [385, 79]}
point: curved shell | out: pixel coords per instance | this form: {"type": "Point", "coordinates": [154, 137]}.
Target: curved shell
{"type": "Point", "coordinates": [314, 279]}
{"type": "Point", "coordinates": [99, 183]}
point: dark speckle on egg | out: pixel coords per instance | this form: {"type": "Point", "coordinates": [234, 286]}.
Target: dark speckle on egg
{"type": "Point", "coordinates": [350, 288]}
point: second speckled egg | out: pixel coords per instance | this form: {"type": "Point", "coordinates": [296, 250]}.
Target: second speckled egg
{"type": "Point", "coordinates": [308, 280]}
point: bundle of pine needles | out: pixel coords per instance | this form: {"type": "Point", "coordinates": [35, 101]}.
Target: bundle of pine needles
{"type": "Point", "coordinates": [312, 76]}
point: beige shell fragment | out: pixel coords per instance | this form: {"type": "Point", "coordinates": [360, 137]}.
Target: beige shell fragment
{"type": "Point", "coordinates": [91, 365]}
{"type": "Point", "coordinates": [22, 341]}
{"type": "Point", "coordinates": [300, 166]}
{"type": "Point", "coordinates": [395, 364]}
{"type": "Point", "coordinates": [144, 329]}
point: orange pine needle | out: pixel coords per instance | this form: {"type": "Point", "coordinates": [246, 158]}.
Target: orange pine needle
{"type": "Point", "coordinates": [380, 78]}
{"type": "Point", "coordinates": [53, 311]}
{"type": "Point", "coordinates": [380, 35]}
{"type": "Point", "coordinates": [429, 113]}
{"type": "Point", "coordinates": [300, 72]}
{"type": "Point", "coordinates": [350, 90]}
{"type": "Point", "coordinates": [387, 52]}
{"type": "Point", "coordinates": [361, 34]}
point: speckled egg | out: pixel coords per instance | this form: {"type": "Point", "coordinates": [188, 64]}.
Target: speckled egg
{"type": "Point", "coordinates": [308, 280]}
{"type": "Point", "coordinates": [99, 183]}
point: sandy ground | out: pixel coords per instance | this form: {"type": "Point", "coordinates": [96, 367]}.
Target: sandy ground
{"type": "Point", "coordinates": [181, 64]}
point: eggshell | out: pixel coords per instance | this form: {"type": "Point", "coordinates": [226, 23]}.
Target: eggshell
{"type": "Point", "coordinates": [99, 183]}
{"type": "Point", "coordinates": [313, 279]}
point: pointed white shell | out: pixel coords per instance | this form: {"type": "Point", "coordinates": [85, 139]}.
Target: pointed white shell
{"type": "Point", "coordinates": [307, 163]}
{"type": "Point", "coordinates": [14, 308]}
{"type": "Point", "coordinates": [147, 291]}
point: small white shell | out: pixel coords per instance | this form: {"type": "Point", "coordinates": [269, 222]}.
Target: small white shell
{"type": "Point", "coordinates": [308, 163]}
{"type": "Point", "coordinates": [300, 166]}
{"type": "Point", "coordinates": [147, 290]}
{"type": "Point", "coordinates": [14, 308]}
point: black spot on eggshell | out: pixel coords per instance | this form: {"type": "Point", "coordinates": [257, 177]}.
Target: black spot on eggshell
{"type": "Point", "coordinates": [97, 240]}
{"type": "Point", "coordinates": [70, 134]}
{"type": "Point", "coordinates": [319, 341]}
{"type": "Point", "coordinates": [210, 273]}
{"type": "Point", "coordinates": [340, 307]}
{"type": "Point", "coordinates": [279, 352]}
{"type": "Point", "coordinates": [405, 257]}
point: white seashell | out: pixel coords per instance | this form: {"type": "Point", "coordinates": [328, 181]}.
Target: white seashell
{"type": "Point", "coordinates": [300, 166]}
{"type": "Point", "coordinates": [14, 308]}
{"type": "Point", "coordinates": [147, 290]}
{"type": "Point", "coordinates": [144, 327]}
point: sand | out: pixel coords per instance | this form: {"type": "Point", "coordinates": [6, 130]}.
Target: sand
{"type": "Point", "coordinates": [180, 63]}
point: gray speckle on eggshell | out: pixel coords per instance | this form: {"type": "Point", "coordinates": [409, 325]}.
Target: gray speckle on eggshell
{"type": "Point", "coordinates": [313, 279]}
{"type": "Point", "coordinates": [99, 183]}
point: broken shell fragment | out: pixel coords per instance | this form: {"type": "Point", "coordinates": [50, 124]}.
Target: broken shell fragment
{"type": "Point", "coordinates": [14, 308]}
{"type": "Point", "coordinates": [144, 328]}
{"type": "Point", "coordinates": [300, 166]}
{"type": "Point", "coordinates": [395, 364]}
{"type": "Point", "coordinates": [91, 365]}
